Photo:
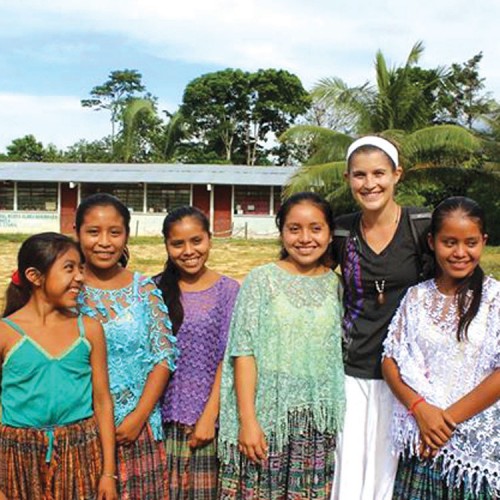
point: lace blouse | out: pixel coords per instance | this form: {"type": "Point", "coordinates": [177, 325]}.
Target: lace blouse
{"type": "Point", "coordinates": [202, 341]}
{"type": "Point", "coordinates": [291, 325]}
{"type": "Point", "coordinates": [422, 341]}
{"type": "Point", "coordinates": [138, 337]}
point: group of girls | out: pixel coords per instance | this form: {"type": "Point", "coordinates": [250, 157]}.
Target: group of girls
{"type": "Point", "coordinates": [272, 391]}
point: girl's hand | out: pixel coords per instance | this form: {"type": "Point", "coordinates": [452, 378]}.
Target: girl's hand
{"type": "Point", "coordinates": [436, 427]}
{"type": "Point", "coordinates": [128, 431]}
{"type": "Point", "coordinates": [107, 489]}
{"type": "Point", "coordinates": [203, 432]}
{"type": "Point", "coordinates": [252, 441]}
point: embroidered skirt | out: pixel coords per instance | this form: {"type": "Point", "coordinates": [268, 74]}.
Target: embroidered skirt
{"type": "Point", "coordinates": [142, 474]}
{"type": "Point", "coordinates": [423, 479]}
{"type": "Point", "coordinates": [192, 474]}
{"type": "Point", "coordinates": [28, 470]}
{"type": "Point", "coordinates": [303, 470]}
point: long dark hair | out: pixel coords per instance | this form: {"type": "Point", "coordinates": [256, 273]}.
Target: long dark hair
{"type": "Point", "coordinates": [473, 284]}
{"type": "Point", "coordinates": [39, 251]}
{"type": "Point", "coordinates": [305, 197]}
{"type": "Point", "coordinates": [104, 200]}
{"type": "Point", "coordinates": [169, 281]}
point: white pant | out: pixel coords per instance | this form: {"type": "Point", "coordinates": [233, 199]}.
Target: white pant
{"type": "Point", "coordinates": [365, 467]}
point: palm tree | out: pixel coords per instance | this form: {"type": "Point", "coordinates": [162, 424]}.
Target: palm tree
{"type": "Point", "coordinates": [134, 109]}
{"type": "Point", "coordinates": [398, 109]}
{"type": "Point", "coordinates": [396, 102]}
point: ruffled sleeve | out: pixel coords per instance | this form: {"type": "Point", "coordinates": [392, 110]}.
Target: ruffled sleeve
{"type": "Point", "coordinates": [162, 344]}
{"type": "Point", "coordinates": [402, 346]}
{"type": "Point", "coordinates": [245, 321]}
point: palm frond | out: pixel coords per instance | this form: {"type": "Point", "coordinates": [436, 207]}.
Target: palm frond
{"type": "Point", "coordinates": [325, 145]}
{"type": "Point", "coordinates": [323, 179]}
{"type": "Point", "coordinates": [439, 142]}
{"type": "Point", "coordinates": [130, 114]}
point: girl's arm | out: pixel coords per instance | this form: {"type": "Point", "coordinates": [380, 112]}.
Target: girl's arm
{"type": "Point", "coordinates": [251, 439]}
{"type": "Point", "coordinates": [483, 396]}
{"type": "Point", "coordinates": [128, 431]}
{"type": "Point", "coordinates": [436, 425]}
{"type": "Point", "coordinates": [204, 430]}
{"type": "Point", "coordinates": [103, 408]}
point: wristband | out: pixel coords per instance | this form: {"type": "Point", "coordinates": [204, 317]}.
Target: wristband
{"type": "Point", "coordinates": [111, 476]}
{"type": "Point", "coordinates": [411, 409]}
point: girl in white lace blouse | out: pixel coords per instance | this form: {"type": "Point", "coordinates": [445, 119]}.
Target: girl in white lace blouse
{"type": "Point", "coordinates": [442, 362]}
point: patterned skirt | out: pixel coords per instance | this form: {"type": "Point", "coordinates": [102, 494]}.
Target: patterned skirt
{"type": "Point", "coordinates": [72, 472]}
{"type": "Point", "coordinates": [141, 470]}
{"type": "Point", "coordinates": [303, 470]}
{"type": "Point", "coordinates": [423, 480]}
{"type": "Point", "coordinates": [192, 474]}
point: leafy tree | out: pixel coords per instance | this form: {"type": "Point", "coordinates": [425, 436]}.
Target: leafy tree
{"type": "Point", "coordinates": [25, 148]}
{"type": "Point", "coordinates": [235, 113]}
{"type": "Point", "coordinates": [214, 105]}
{"type": "Point", "coordinates": [84, 151]}
{"type": "Point", "coordinates": [462, 98]}
{"type": "Point", "coordinates": [113, 95]}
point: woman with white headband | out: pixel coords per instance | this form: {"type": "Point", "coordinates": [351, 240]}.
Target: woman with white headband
{"type": "Point", "coordinates": [380, 250]}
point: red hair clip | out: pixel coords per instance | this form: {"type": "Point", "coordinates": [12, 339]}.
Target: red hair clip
{"type": "Point", "coordinates": [15, 278]}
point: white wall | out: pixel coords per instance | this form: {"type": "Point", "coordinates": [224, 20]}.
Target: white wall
{"type": "Point", "coordinates": [142, 224]}
{"type": "Point", "coordinates": [254, 226]}
{"type": "Point", "coordinates": [28, 222]}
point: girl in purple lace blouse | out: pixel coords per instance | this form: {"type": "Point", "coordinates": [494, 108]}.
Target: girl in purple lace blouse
{"type": "Point", "coordinates": [200, 303]}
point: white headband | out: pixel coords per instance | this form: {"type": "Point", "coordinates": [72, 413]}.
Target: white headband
{"type": "Point", "coordinates": [372, 140]}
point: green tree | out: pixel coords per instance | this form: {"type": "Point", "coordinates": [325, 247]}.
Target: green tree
{"type": "Point", "coordinates": [395, 102]}
{"type": "Point", "coordinates": [235, 113]}
{"type": "Point", "coordinates": [25, 148]}
{"type": "Point", "coordinates": [84, 151]}
{"type": "Point", "coordinates": [214, 105]}
{"type": "Point", "coordinates": [462, 98]}
{"type": "Point", "coordinates": [113, 95]}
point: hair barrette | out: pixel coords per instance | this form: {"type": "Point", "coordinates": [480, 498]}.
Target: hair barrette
{"type": "Point", "coordinates": [16, 278]}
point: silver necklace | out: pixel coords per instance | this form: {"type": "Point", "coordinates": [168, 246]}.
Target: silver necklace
{"type": "Point", "coordinates": [380, 287]}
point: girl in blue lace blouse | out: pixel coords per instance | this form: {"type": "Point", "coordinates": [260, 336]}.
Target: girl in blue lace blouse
{"type": "Point", "coordinates": [141, 348]}
{"type": "Point", "coordinates": [442, 361]}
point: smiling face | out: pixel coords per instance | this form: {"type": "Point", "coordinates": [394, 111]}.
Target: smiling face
{"type": "Point", "coordinates": [64, 280]}
{"type": "Point", "coordinates": [188, 246]}
{"type": "Point", "coordinates": [457, 247]}
{"type": "Point", "coordinates": [102, 237]}
{"type": "Point", "coordinates": [372, 179]}
{"type": "Point", "coordinates": [305, 236]}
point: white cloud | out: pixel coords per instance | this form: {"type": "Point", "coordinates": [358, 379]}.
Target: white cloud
{"type": "Point", "coordinates": [314, 39]}
{"type": "Point", "coordinates": [51, 119]}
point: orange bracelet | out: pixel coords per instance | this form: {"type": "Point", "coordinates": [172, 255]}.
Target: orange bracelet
{"type": "Point", "coordinates": [415, 404]}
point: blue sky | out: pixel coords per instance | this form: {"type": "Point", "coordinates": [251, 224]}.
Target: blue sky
{"type": "Point", "coordinates": [53, 52]}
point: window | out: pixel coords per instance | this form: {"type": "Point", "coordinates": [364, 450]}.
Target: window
{"type": "Point", "coordinates": [166, 197]}
{"type": "Point", "coordinates": [131, 195]}
{"type": "Point", "coordinates": [6, 195]}
{"type": "Point", "coordinates": [252, 200]}
{"type": "Point", "coordinates": [37, 196]}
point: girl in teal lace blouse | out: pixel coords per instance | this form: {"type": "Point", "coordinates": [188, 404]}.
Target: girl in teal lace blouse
{"type": "Point", "coordinates": [57, 435]}
{"type": "Point", "coordinates": [282, 392]}
{"type": "Point", "coordinates": [141, 348]}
